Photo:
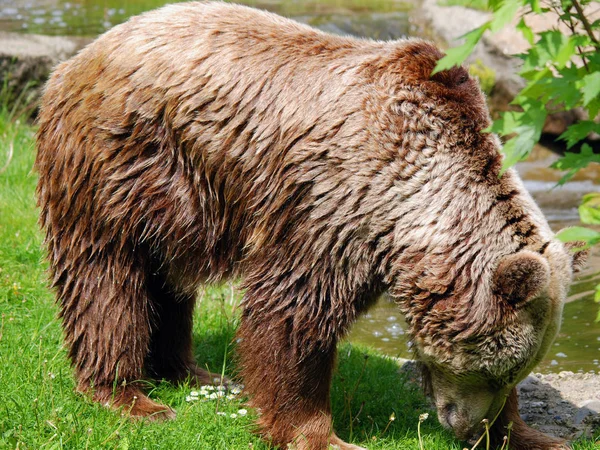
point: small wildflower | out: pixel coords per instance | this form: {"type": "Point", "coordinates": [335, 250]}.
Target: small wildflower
{"type": "Point", "coordinates": [194, 393]}
{"type": "Point", "coordinates": [212, 396]}
{"type": "Point", "coordinates": [230, 397]}
{"type": "Point", "coordinates": [221, 388]}
{"type": "Point", "coordinates": [233, 415]}
{"type": "Point", "coordinates": [392, 417]}
{"type": "Point", "coordinates": [208, 387]}
{"type": "Point", "coordinates": [220, 413]}
{"type": "Point", "coordinates": [191, 398]}
{"type": "Point", "coordinates": [203, 392]}
{"type": "Point", "coordinates": [236, 389]}
{"type": "Point", "coordinates": [423, 417]}
{"type": "Point", "coordinates": [242, 412]}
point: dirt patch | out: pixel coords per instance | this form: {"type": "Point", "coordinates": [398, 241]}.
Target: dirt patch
{"type": "Point", "coordinates": [566, 404]}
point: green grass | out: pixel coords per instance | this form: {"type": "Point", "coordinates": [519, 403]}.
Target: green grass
{"type": "Point", "coordinates": [40, 410]}
{"type": "Point", "coordinates": [481, 5]}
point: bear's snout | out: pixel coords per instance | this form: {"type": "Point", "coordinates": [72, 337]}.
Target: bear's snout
{"type": "Point", "coordinates": [459, 422]}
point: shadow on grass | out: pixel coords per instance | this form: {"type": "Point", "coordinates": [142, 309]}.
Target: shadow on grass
{"type": "Point", "coordinates": [373, 399]}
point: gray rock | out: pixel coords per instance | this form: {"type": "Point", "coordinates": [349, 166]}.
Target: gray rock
{"type": "Point", "coordinates": [592, 405]}
{"type": "Point", "coordinates": [588, 408]}
{"type": "Point", "coordinates": [27, 59]}
{"type": "Point", "coordinates": [529, 384]}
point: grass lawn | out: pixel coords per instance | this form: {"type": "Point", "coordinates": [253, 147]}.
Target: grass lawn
{"type": "Point", "coordinates": [40, 410]}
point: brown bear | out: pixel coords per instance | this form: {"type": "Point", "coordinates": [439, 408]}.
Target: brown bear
{"type": "Point", "coordinates": [205, 141]}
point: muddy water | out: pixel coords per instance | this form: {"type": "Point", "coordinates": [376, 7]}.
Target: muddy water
{"type": "Point", "coordinates": [578, 346]}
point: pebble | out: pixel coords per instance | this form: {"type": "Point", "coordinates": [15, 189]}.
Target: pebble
{"type": "Point", "coordinates": [537, 404]}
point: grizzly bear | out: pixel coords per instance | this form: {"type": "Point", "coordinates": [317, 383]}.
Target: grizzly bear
{"type": "Point", "coordinates": [206, 141]}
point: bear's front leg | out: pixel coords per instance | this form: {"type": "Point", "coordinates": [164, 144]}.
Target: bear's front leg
{"type": "Point", "coordinates": [522, 437]}
{"type": "Point", "coordinates": [287, 372]}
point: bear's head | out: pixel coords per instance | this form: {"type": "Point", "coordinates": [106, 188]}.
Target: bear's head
{"type": "Point", "coordinates": [476, 269]}
{"type": "Point", "coordinates": [498, 338]}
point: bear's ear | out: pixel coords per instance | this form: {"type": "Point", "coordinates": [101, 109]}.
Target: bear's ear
{"type": "Point", "coordinates": [579, 254]}
{"type": "Point", "coordinates": [521, 276]}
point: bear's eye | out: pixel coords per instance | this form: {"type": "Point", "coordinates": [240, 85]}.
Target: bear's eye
{"type": "Point", "coordinates": [463, 79]}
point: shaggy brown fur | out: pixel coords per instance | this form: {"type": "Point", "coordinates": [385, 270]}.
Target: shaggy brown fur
{"type": "Point", "coordinates": [207, 140]}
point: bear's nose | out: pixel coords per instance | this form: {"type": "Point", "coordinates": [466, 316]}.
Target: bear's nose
{"type": "Point", "coordinates": [451, 415]}
{"type": "Point", "coordinates": [458, 422]}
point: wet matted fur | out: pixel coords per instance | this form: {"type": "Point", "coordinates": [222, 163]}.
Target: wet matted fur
{"type": "Point", "coordinates": [204, 141]}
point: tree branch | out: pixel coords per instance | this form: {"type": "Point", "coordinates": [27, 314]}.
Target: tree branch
{"type": "Point", "coordinates": [585, 22]}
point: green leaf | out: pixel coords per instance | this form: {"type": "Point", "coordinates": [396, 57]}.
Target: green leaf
{"type": "Point", "coordinates": [504, 14]}
{"type": "Point", "coordinates": [589, 210]}
{"type": "Point", "coordinates": [575, 161]}
{"type": "Point", "coordinates": [553, 47]}
{"type": "Point", "coordinates": [597, 296]}
{"type": "Point", "coordinates": [519, 147]}
{"type": "Point", "coordinates": [579, 131]}
{"type": "Point", "coordinates": [590, 237]}
{"type": "Point", "coordinates": [535, 5]}
{"type": "Point", "coordinates": [562, 86]}
{"type": "Point", "coordinates": [507, 123]}
{"type": "Point", "coordinates": [597, 300]}
{"type": "Point", "coordinates": [457, 55]}
{"type": "Point", "coordinates": [593, 108]}
{"type": "Point", "coordinates": [590, 86]}
{"type": "Point", "coordinates": [526, 125]}
{"type": "Point", "coordinates": [526, 31]}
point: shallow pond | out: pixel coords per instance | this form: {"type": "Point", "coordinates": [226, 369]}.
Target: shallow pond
{"type": "Point", "coordinates": [578, 345]}
{"type": "Point", "coordinates": [380, 19]}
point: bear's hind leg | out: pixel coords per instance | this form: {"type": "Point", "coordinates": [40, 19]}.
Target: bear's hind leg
{"type": "Point", "coordinates": [171, 351]}
{"type": "Point", "coordinates": [105, 312]}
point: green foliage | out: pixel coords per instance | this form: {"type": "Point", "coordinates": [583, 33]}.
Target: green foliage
{"type": "Point", "coordinates": [572, 162]}
{"type": "Point", "coordinates": [590, 237]}
{"type": "Point", "coordinates": [562, 72]}
{"type": "Point", "coordinates": [589, 210]}
{"type": "Point", "coordinates": [474, 4]}
{"type": "Point", "coordinates": [457, 55]}
{"type": "Point", "coordinates": [597, 300]}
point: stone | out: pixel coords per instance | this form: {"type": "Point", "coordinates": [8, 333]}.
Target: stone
{"type": "Point", "coordinates": [27, 59]}
{"type": "Point", "coordinates": [588, 408]}
{"type": "Point", "coordinates": [529, 384]}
